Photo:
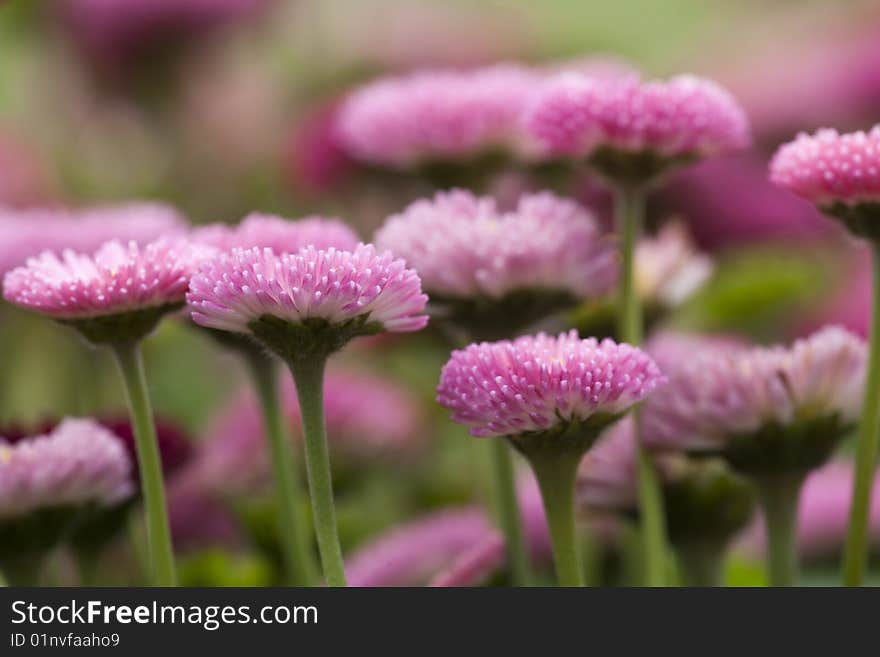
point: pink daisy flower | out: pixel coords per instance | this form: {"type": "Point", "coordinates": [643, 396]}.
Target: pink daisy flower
{"type": "Point", "coordinates": [839, 173]}
{"type": "Point", "coordinates": [118, 281]}
{"type": "Point", "coordinates": [78, 463]}
{"type": "Point", "coordinates": [634, 130]}
{"type": "Point", "coordinates": [430, 116]}
{"type": "Point", "coordinates": [357, 292]}
{"type": "Point", "coordinates": [720, 394]}
{"type": "Point", "coordinates": [544, 383]}
{"type": "Point", "coordinates": [464, 247]}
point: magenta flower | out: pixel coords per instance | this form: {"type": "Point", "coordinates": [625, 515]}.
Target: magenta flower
{"type": "Point", "coordinates": [838, 173]}
{"type": "Point", "coordinates": [721, 391]}
{"type": "Point", "coordinates": [634, 130]}
{"type": "Point", "coordinates": [437, 115]}
{"type": "Point", "coordinates": [550, 397]}
{"type": "Point", "coordinates": [464, 247]}
{"type": "Point", "coordinates": [235, 290]}
{"type": "Point", "coordinates": [27, 233]}
{"type": "Point", "coordinates": [279, 234]}
{"type": "Point", "coordinates": [542, 383]}
{"type": "Point", "coordinates": [774, 413]}
{"type": "Point", "coordinates": [117, 282]}
{"type": "Point", "coordinates": [78, 463]}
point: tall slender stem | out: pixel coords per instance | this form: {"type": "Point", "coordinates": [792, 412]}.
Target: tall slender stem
{"type": "Point", "coordinates": [131, 366]}
{"type": "Point", "coordinates": [308, 374]}
{"type": "Point", "coordinates": [779, 501]}
{"type": "Point", "coordinates": [556, 475]}
{"type": "Point", "coordinates": [629, 214]}
{"type": "Point", "coordinates": [507, 509]}
{"type": "Point", "coordinates": [855, 554]}
{"type": "Point", "coordinates": [298, 558]}
{"type": "Point", "coordinates": [701, 561]}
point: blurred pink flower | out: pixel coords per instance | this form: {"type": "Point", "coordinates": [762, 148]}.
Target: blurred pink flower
{"type": "Point", "coordinates": [279, 234]}
{"type": "Point", "coordinates": [828, 167]}
{"type": "Point", "coordinates": [464, 247]}
{"type": "Point", "coordinates": [234, 289]}
{"type": "Point", "coordinates": [850, 306]}
{"type": "Point", "coordinates": [428, 116]}
{"type": "Point", "coordinates": [118, 279]}
{"type": "Point", "coordinates": [685, 117]}
{"type": "Point", "coordinates": [458, 547]}
{"type": "Point", "coordinates": [77, 463]}
{"type": "Point", "coordinates": [719, 392]}
{"type": "Point", "coordinates": [543, 382]}
{"type": "Point", "coordinates": [27, 233]}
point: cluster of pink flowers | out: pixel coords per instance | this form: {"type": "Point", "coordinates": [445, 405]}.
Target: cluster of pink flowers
{"type": "Point", "coordinates": [262, 231]}
{"type": "Point", "coordinates": [236, 288]}
{"type": "Point", "coordinates": [119, 278]}
{"type": "Point", "coordinates": [536, 383]}
{"type": "Point", "coordinates": [718, 391]}
{"type": "Point", "coordinates": [27, 233]}
{"type": "Point", "coordinates": [79, 462]}
{"type": "Point", "coordinates": [829, 167]}
{"type": "Point", "coordinates": [683, 117]}
{"type": "Point", "coordinates": [463, 246]}
{"type": "Point", "coordinates": [437, 115]}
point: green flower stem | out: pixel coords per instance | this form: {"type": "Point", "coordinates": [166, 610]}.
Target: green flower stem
{"type": "Point", "coordinates": [131, 366]}
{"type": "Point", "coordinates": [556, 474]}
{"type": "Point", "coordinates": [507, 510]}
{"type": "Point", "coordinates": [629, 213]}
{"type": "Point", "coordinates": [308, 374]}
{"type": "Point", "coordinates": [779, 496]}
{"type": "Point", "coordinates": [701, 562]}
{"type": "Point", "coordinates": [855, 554]}
{"type": "Point", "coordinates": [3, 582]}
{"type": "Point", "coordinates": [298, 558]}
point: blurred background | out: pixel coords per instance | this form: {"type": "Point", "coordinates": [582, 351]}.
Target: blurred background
{"type": "Point", "coordinates": [222, 107]}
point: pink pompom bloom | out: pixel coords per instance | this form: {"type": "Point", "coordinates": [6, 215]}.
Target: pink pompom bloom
{"type": "Point", "coordinates": [838, 173]}
{"type": "Point", "coordinates": [436, 115]}
{"type": "Point", "coordinates": [543, 383]}
{"type": "Point", "coordinates": [463, 246]}
{"type": "Point", "coordinates": [27, 233]}
{"type": "Point", "coordinates": [79, 462]}
{"type": "Point", "coordinates": [634, 130]}
{"type": "Point", "coordinates": [829, 167]}
{"type": "Point", "coordinates": [279, 234]}
{"type": "Point", "coordinates": [118, 281]}
{"type": "Point", "coordinates": [791, 403]}
{"type": "Point", "coordinates": [346, 293]}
